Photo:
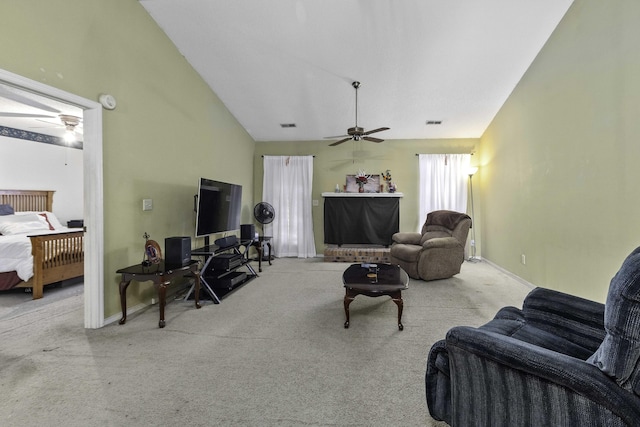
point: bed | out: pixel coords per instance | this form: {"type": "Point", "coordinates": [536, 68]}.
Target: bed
{"type": "Point", "coordinates": [34, 255]}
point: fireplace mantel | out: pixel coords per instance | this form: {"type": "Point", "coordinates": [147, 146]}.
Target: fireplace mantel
{"type": "Point", "coordinates": [331, 194]}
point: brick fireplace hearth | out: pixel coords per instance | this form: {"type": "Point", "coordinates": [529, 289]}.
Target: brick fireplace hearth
{"type": "Point", "coordinates": [357, 254]}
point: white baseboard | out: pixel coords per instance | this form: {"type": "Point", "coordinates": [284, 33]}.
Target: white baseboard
{"type": "Point", "coordinates": [510, 274]}
{"type": "Point", "coordinates": [118, 316]}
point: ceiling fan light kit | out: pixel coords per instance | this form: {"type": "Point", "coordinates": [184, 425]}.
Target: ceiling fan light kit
{"type": "Point", "coordinates": [70, 122]}
{"type": "Point", "coordinates": [357, 133]}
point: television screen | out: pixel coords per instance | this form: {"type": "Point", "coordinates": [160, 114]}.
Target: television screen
{"type": "Point", "coordinates": [218, 207]}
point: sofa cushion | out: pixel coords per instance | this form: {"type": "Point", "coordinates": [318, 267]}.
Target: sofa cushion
{"type": "Point", "coordinates": [619, 354]}
{"type": "Point", "coordinates": [434, 233]}
{"type": "Point", "coordinates": [511, 322]}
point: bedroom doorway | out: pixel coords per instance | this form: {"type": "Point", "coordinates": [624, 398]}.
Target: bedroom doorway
{"type": "Point", "coordinates": [92, 193]}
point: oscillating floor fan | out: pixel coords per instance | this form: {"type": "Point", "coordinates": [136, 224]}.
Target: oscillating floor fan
{"type": "Point", "coordinates": [264, 213]}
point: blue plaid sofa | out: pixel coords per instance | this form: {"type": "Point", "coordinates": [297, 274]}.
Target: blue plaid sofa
{"type": "Point", "coordinates": [561, 360]}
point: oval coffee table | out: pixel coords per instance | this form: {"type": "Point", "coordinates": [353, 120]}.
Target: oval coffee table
{"type": "Point", "coordinates": [375, 280]}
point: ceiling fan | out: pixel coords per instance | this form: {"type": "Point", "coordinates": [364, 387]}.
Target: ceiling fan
{"type": "Point", "coordinates": [72, 125]}
{"type": "Point", "coordinates": [357, 133]}
{"type": "Point", "coordinates": [13, 102]}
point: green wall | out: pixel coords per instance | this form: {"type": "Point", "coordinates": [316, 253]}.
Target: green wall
{"type": "Point", "coordinates": [168, 129]}
{"type": "Point", "coordinates": [332, 164]}
{"type": "Point", "coordinates": [559, 173]}
{"type": "Point", "coordinates": [558, 169]}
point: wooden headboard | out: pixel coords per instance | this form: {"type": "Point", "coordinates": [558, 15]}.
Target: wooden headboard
{"type": "Point", "coordinates": [28, 200]}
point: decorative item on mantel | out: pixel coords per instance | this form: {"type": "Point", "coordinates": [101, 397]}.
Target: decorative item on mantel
{"type": "Point", "coordinates": [363, 183]}
{"type": "Point", "coordinates": [387, 178]}
{"type": "Point", "coordinates": [361, 179]}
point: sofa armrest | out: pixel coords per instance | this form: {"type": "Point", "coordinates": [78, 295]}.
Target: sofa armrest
{"type": "Point", "coordinates": [438, 382]}
{"type": "Point", "coordinates": [407, 238]}
{"type": "Point", "coordinates": [577, 319]}
{"type": "Point", "coordinates": [498, 380]}
{"type": "Point", "coordinates": [442, 242]}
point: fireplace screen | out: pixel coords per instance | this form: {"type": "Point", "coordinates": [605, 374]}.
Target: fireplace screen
{"type": "Point", "coordinates": [361, 220]}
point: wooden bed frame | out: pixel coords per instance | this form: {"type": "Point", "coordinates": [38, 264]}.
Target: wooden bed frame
{"type": "Point", "coordinates": [56, 257]}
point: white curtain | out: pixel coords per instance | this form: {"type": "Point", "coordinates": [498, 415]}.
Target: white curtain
{"type": "Point", "coordinates": [443, 183]}
{"type": "Point", "coordinates": [286, 186]}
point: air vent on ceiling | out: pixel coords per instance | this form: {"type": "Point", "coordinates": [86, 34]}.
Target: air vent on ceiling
{"type": "Point", "coordinates": [434, 122]}
{"type": "Point", "coordinates": [287, 125]}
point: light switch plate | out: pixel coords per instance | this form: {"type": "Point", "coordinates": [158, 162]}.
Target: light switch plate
{"type": "Point", "coordinates": [147, 204]}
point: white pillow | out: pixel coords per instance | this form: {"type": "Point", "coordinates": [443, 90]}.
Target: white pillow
{"type": "Point", "coordinates": [51, 218]}
{"type": "Point", "coordinates": [26, 217]}
{"type": "Point", "coordinates": [16, 224]}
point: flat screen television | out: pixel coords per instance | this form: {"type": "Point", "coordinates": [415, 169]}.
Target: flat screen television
{"type": "Point", "coordinates": [217, 207]}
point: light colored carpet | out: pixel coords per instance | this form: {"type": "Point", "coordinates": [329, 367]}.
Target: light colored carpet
{"type": "Point", "coordinates": [274, 353]}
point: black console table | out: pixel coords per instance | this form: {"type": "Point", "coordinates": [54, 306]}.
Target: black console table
{"type": "Point", "coordinates": [161, 275]}
{"type": "Point", "coordinates": [218, 283]}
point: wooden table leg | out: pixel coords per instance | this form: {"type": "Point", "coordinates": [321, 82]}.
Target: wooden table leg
{"type": "Point", "coordinates": [347, 300]}
{"type": "Point", "coordinates": [397, 298]}
{"type": "Point", "coordinates": [196, 297]}
{"type": "Point", "coordinates": [123, 299]}
{"type": "Point", "coordinates": [259, 249]}
{"type": "Point", "coordinates": [162, 298]}
{"type": "Point", "coordinates": [269, 246]}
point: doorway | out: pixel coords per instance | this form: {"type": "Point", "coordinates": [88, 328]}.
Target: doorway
{"type": "Point", "coordinates": [92, 193]}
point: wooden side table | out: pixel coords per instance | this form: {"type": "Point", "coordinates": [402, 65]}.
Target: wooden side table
{"type": "Point", "coordinates": [258, 245]}
{"type": "Point", "coordinates": [161, 275]}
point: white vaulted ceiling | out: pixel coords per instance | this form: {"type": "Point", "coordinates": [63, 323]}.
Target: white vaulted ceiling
{"type": "Point", "coordinates": [293, 61]}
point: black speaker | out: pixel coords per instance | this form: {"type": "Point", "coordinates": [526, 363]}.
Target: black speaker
{"type": "Point", "coordinates": [224, 242]}
{"type": "Point", "coordinates": [177, 251]}
{"type": "Point", "coordinates": [247, 231]}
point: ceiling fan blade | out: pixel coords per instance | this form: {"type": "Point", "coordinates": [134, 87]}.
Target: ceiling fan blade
{"type": "Point", "coordinates": [336, 136]}
{"type": "Point", "coordinates": [339, 142]}
{"type": "Point", "coordinates": [372, 139]}
{"type": "Point", "coordinates": [27, 115]}
{"type": "Point", "coordinates": [56, 123]}
{"type": "Point", "coordinates": [375, 130]}
{"type": "Point", "coordinates": [9, 94]}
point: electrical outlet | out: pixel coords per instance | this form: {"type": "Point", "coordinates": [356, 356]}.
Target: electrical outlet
{"type": "Point", "coordinates": [153, 301]}
{"type": "Point", "coordinates": [316, 203]}
{"type": "Point", "coordinates": [147, 204]}
{"type": "Point", "coordinates": [523, 259]}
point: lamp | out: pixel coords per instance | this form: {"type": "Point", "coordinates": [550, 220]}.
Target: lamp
{"type": "Point", "coordinates": [472, 258]}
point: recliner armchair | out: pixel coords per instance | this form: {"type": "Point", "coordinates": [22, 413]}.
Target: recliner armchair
{"type": "Point", "coordinates": [560, 361]}
{"type": "Point", "coordinates": [438, 251]}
